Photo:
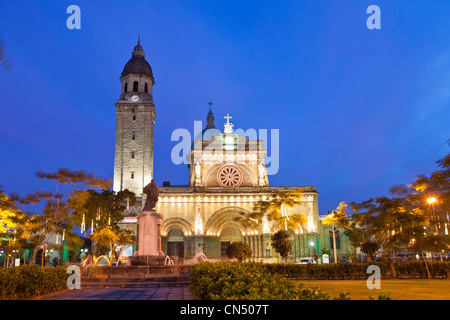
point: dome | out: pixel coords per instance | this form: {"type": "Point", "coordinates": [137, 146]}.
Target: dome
{"type": "Point", "coordinates": [137, 64]}
{"type": "Point", "coordinates": [206, 135]}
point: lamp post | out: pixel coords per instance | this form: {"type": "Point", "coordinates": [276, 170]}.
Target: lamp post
{"type": "Point", "coordinates": [331, 214]}
{"type": "Point", "coordinates": [431, 201]}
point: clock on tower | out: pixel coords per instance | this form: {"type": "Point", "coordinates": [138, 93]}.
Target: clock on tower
{"type": "Point", "coordinates": [135, 118]}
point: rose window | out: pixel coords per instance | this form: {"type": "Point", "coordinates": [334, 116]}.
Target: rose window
{"type": "Point", "coordinates": [229, 177]}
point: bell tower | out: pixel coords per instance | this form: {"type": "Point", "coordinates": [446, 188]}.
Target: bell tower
{"type": "Point", "coordinates": [135, 119]}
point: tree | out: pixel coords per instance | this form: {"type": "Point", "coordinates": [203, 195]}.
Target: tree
{"type": "Point", "coordinates": [8, 212]}
{"type": "Point", "coordinates": [282, 244]}
{"type": "Point", "coordinates": [336, 217]}
{"type": "Point", "coordinates": [406, 220]}
{"type": "Point", "coordinates": [94, 209]}
{"type": "Point", "coordinates": [370, 248]}
{"type": "Point", "coordinates": [239, 250]}
{"type": "Point", "coordinates": [325, 251]}
{"type": "Point", "coordinates": [73, 242]}
{"type": "Point", "coordinates": [342, 222]}
{"type": "Point", "coordinates": [432, 215]}
{"type": "Point", "coordinates": [112, 238]}
{"type": "Point", "coordinates": [56, 217]}
{"type": "Point", "coordinates": [275, 209]}
{"type": "Point", "coordinates": [99, 209]}
{"type": "Point", "coordinates": [14, 227]}
{"type": "Point", "coordinates": [423, 243]}
{"type": "Point", "coordinates": [125, 240]}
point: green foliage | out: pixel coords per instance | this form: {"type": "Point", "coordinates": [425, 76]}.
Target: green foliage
{"type": "Point", "coordinates": [57, 213]}
{"type": "Point", "coordinates": [281, 243]}
{"type": "Point", "coordinates": [239, 250]}
{"type": "Point", "coordinates": [112, 237]}
{"type": "Point", "coordinates": [26, 281]}
{"type": "Point", "coordinates": [370, 248]}
{"type": "Point", "coordinates": [381, 297]}
{"type": "Point", "coordinates": [246, 281]}
{"type": "Point", "coordinates": [409, 219]}
{"type": "Point", "coordinates": [275, 209]}
{"type": "Point", "coordinates": [104, 208]}
{"type": "Point", "coordinates": [349, 271]}
{"type": "Point", "coordinates": [14, 227]}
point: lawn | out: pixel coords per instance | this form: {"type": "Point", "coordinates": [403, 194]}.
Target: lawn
{"type": "Point", "coordinates": [398, 289]}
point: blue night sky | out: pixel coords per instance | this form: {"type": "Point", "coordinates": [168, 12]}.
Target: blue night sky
{"type": "Point", "coordinates": [358, 110]}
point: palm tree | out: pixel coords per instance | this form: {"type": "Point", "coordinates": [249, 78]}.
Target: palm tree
{"type": "Point", "coordinates": [337, 217]}
{"type": "Point", "coordinates": [275, 209]}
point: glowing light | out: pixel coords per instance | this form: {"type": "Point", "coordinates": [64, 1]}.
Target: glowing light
{"type": "Point", "coordinates": [310, 225]}
{"type": "Point", "coordinates": [431, 200]}
{"type": "Point", "coordinates": [265, 223]}
{"type": "Point", "coordinates": [199, 225]}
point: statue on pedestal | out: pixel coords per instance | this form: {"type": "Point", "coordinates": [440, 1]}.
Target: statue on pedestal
{"type": "Point", "coordinates": [152, 192]}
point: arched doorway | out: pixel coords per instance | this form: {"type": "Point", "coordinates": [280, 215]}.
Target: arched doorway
{"type": "Point", "coordinates": [226, 225]}
{"type": "Point", "coordinates": [175, 243]}
{"type": "Point", "coordinates": [230, 233]}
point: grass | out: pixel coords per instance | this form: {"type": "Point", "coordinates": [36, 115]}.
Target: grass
{"type": "Point", "coordinates": [398, 289]}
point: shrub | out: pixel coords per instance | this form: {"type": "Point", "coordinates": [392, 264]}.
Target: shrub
{"type": "Point", "coordinates": [408, 269]}
{"type": "Point", "coordinates": [282, 244]}
{"type": "Point", "coordinates": [246, 281]}
{"type": "Point", "coordinates": [254, 281]}
{"type": "Point", "coordinates": [25, 282]}
{"type": "Point", "coordinates": [239, 250]}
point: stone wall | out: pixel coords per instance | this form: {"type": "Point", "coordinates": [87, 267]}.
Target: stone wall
{"type": "Point", "coordinates": [133, 165]}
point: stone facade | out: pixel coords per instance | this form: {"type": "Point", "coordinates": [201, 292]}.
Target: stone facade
{"type": "Point", "coordinates": [227, 177]}
{"type": "Point", "coordinates": [210, 218]}
{"type": "Point", "coordinates": [135, 119]}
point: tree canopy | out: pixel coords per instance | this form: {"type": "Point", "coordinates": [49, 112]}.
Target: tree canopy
{"type": "Point", "coordinates": [415, 217]}
{"type": "Point", "coordinates": [274, 209]}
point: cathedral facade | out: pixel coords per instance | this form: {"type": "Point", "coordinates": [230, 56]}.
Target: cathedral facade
{"type": "Point", "coordinates": [226, 178]}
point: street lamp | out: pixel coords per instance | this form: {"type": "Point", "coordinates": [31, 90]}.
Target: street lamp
{"type": "Point", "coordinates": [431, 201]}
{"type": "Point", "coordinates": [331, 215]}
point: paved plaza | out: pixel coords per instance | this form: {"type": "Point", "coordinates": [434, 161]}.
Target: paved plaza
{"type": "Point", "coordinates": [145, 293]}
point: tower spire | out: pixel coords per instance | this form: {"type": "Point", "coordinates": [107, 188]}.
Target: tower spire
{"type": "Point", "coordinates": [138, 50]}
{"type": "Point", "coordinates": [210, 118]}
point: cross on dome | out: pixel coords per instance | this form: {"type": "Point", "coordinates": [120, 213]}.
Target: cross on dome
{"type": "Point", "coordinates": [228, 118]}
{"type": "Point", "coordinates": [228, 126]}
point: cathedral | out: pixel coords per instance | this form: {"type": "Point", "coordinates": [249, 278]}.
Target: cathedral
{"type": "Point", "coordinates": [226, 177]}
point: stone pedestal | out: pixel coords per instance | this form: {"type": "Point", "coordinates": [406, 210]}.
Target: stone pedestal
{"type": "Point", "coordinates": [149, 234]}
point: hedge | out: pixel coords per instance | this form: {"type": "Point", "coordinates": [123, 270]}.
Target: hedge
{"type": "Point", "coordinates": [247, 281]}
{"type": "Point", "coordinates": [25, 282]}
{"type": "Point", "coordinates": [349, 271]}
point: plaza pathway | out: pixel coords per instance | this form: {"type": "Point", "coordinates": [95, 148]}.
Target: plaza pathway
{"type": "Point", "coordinates": [143, 293]}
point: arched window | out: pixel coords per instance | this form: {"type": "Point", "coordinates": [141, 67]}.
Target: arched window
{"type": "Point", "coordinates": [146, 88]}
{"type": "Point", "coordinates": [126, 87]}
{"type": "Point", "coordinates": [135, 86]}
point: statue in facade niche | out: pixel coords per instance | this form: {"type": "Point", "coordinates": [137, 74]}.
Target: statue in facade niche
{"type": "Point", "coordinates": [152, 192]}
{"type": "Point", "coordinates": [197, 169]}
{"type": "Point", "coordinates": [261, 169]}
